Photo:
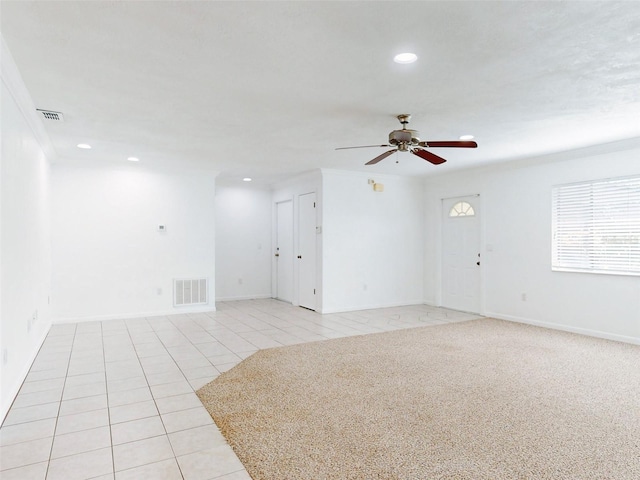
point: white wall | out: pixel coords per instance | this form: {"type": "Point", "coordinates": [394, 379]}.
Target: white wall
{"type": "Point", "coordinates": [109, 259]}
{"type": "Point", "coordinates": [25, 256]}
{"type": "Point", "coordinates": [516, 253]}
{"type": "Point", "coordinates": [243, 242]}
{"type": "Point", "coordinates": [373, 241]}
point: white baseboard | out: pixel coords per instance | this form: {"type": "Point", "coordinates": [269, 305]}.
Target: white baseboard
{"type": "Point", "coordinates": [243, 297]}
{"type": "Point", "coordinates": [123, 316]}
{"type": "Point", "coordinates": [13, 390]}
{"type": "Point", "coordinates": [566, 328]}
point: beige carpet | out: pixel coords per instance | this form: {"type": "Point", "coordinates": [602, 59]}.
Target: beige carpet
{"type": "Point", "coordinates": [483, 399]}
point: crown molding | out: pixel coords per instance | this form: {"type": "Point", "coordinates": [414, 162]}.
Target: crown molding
{"type": "Point", "coordinates": [13, 81]}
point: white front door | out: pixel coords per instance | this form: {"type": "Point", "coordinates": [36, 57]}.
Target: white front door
{"type": "Point", "coordinates": [461, 253]}
{"type": "Point", "coordinates": [284, 251]}
{"type": "Point", "coordinates": [307, 250]}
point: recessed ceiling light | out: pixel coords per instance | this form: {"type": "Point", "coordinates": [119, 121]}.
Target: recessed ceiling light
{"type": "Point", "coordinates": [466, 137]}
{"type": "Point", "coordinates": [133, 159]}
{"type": "Point", "coordinates": [405, 58]}
{"type": "Point", "coordinates": [83, 145]}
{"type": "Point", "coordinates": [246, 179]}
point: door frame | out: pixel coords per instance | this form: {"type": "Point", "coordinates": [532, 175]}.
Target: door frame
{"type": "Point", "coordinates": [481, 249]}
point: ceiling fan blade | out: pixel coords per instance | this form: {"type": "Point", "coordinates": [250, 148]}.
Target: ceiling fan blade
{"type": "Point", "coordinates": [452, 143]}
{"type": "Point", "coordinates": [363, 146]}
{"type": "Point", "coordinates": [380, 157]}
{"type": "Point", "coordinates": [428, 156]}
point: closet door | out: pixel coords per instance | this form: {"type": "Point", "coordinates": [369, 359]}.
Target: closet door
{"type": "Point", "coordinates": [284, 251]}
{"type": "Point", "coordinates": [306, 257]}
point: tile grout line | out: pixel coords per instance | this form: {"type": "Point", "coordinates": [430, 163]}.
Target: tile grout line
{"type": "Point", "coordinates": [175, 458]}
{"type": "Point", "coordinates": [216, 426]}
{"type": "Point", "coordinates": [210, 363]}
{"type": "Point", "coordinates": [11, 407]}
{"type": "Point", "coordinates": [106, 390]}
{"type": "Point", "coordinates": [64, 385]}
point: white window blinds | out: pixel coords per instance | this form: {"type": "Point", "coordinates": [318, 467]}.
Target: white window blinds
{"type": "Point", "coordinates": [596, 226]}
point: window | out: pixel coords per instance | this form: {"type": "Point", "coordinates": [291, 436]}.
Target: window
{"type": "Point", "coordinates": [596, 226]}
{"type": "Point", "coordinates": [462, 209]}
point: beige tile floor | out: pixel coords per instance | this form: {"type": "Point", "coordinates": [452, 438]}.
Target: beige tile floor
{"type": "Point", "coordinates": [115, 399]}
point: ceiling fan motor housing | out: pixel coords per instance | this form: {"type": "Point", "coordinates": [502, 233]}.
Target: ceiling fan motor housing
{"type": "Point", "coordinates": [406, 136]}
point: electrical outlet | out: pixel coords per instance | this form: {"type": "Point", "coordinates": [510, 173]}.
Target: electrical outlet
{"type": "Point", "coordinates": [159, 291]}
{"type": "Point", "coordinates": [239, 281]}
{"type": "Point", "coordinates": [524, 297]}
{"type": "Point", "coordinates": [32, 321]}
{"type": "Point", "coordinates": [5, 356]}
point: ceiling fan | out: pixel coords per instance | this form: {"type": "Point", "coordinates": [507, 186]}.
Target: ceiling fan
{"type": "Point", "coordinates": [406, 140]}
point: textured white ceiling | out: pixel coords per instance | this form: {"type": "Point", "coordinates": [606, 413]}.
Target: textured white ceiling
{"type": "Point", "coordinates": [269, 89]}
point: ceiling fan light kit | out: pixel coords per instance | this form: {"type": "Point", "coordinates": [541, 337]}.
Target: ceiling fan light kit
{"type": "Point", "coordinates": [407, 140]}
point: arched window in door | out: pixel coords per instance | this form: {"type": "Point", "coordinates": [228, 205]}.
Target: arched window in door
{"type": "Point", "coordinates": [462, 209]}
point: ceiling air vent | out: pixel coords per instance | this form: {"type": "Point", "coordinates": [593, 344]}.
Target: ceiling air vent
{"type": "Point", "coordinates": [49, 115]}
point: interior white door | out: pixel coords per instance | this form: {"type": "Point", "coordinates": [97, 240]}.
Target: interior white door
{"type": "Point", "coordinates": [284, 250]}
{"type": "Point", "coordinates": [307, 250]}
{"type": "Point", "coordinates": [461, 253]}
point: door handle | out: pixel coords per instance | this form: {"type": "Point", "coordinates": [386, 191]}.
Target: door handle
{"type": "Point", "coordinates": [277, 255]}
{"type": "Point", "coordinates": [299, 256]}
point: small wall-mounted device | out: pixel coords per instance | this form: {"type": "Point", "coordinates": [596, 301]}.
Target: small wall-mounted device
{"type": "Point", "coordinates": [377, 187]}
{"type": "Point", "coordinates": [162, 228]}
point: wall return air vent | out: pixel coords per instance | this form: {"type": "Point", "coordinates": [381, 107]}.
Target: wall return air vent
{"type": "Point", "coordinates": [190, 291]}
{"type": "Point", "coordinates": [50, 115]}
